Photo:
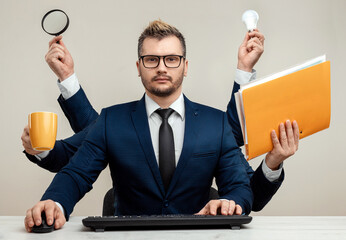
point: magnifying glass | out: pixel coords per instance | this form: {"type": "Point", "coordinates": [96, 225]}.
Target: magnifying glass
{"type": "Point", "coordinates": [55, 22]}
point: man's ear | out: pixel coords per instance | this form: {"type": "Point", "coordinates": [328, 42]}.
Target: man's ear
{"type": "Point", "coordinates": [139, 71]}
{"type": "Point", "coordinates": [186, 67]}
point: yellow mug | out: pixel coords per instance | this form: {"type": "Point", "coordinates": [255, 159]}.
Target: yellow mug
{"type": "Point", "coordinates": [42, 130]}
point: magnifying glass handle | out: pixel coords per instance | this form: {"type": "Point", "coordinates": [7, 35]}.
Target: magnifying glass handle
{"type": "Point", "coordinates": [58, 42]}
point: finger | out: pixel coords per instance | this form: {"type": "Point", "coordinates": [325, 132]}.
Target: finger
{"type": "Point", "coordinates": [25, 132]}
{"type": "Point", "coordinates": [296, 134]}
{"type": "Point", "coordinates": [283, 136]}
{"type": "Point", "coordinates": [27, 228]}
{"type": "Point", "coordinates": [257, 34]}
{"type": "Point", "coordinates": [254, 46]}
{"type": "Point", "coordinates": [24, 137]}
{"type": "Point", "coordinates": [26, 225]}
{"type": "Point", "coordinates": [29, 221]}
{"type": "Point", "coordinates": [60, 219]}
{"type": "Point", "coordinates": [256, 40]}
{"type": "Point", "coordinates": [275, 140]}
{"type": "Point", "coordinates": [203, 211]}
{"type": "Point", "coordinates": [213, 206]}
{"type": "Point", "coordinates": [224, 207]}
{"type": "Point", "coordinates": [231, 207]}
{"type": "Point", "coordinates": [289, 132]}
{"type": "Point", "coordinates": [26, 129]}
{"type": "Point", "coordinates": [55, 55]}
{"type": "Point", "coordinates": [56, 47]}
{"type": "Point", "coordinates": [238, 210]}
{"type": "Point", "coordinates": [63, 45]}
{"type": "Point", "coordinates": [50, 212]}
{"type": "Point", "coordinates": [36, 213]}
{"type": "Point", "coordinates": [54, 40]}
{"type": "Point", "coordinates": [54, 51]}
{"type": "Point", "coordinates": [27, 146]}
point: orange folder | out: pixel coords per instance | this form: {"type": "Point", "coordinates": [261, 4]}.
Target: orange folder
{"type": "Point", "coordinates": [303, 95]}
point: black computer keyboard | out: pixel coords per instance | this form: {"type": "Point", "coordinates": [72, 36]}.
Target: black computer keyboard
{"type": "Point", "coordinates": [100, 224]}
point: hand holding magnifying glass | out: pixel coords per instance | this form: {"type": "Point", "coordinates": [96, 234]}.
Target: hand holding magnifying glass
{"type": "Point", "coordinates": [55, 22]}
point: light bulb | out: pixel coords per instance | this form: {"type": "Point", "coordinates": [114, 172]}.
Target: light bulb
{"type": "Point", "coordinates": [250, 18]}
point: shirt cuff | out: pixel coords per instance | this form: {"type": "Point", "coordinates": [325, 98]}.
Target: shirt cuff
{"type": "Point", "coordinates": [242, 77]}
{"type": "Point", "coordinates": [42, 155]}
{"type": "Point", "coordinates": [61, 208]}
{"type": "Point", "coordinates": [270, 174]}
{"type": "Point", "coordinates": [69, 86]}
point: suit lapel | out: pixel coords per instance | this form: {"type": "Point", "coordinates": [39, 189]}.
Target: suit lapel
{"type": "Point", "coordinates": [140, 122]}
{"type": "Point", "coordinates": [190, 135]}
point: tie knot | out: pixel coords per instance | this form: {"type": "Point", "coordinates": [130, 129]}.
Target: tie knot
{"type": "Point", "coordinates": [165, 113]}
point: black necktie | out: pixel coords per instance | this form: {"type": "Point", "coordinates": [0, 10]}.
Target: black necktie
{"type": "Point", "coordinates": [166, 147]}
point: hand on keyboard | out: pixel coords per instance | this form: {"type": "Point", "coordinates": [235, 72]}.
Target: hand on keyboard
{"type": "Point", "coordinates": [221, 206]}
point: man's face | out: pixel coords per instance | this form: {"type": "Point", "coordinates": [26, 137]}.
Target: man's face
{"type": "Point", "coordinates": [162, 81]}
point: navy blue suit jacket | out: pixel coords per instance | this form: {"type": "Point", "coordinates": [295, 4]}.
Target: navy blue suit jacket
{"type": "Point", "coordinates": [81, 114]}
{"type": "Point", "coordinates": [121, 138]}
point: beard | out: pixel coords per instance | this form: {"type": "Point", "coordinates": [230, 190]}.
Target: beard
{"type": "Point", "coordinates": [163, 92]}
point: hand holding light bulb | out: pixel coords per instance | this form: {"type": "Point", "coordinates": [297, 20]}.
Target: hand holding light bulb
{"type": "Point", "coordinates": [253, 44]}
{"type": "Point", "coordinates": [250, 18]}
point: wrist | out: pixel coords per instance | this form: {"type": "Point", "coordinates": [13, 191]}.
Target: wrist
{"type": "Point", "coordinates": [65, 76]}
{"type": "Point", "coordinates": [273, 165]}
{"type": "Point", "coordinates": [244, 68]}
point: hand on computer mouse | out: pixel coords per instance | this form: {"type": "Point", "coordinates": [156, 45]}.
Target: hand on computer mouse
{"type": "Point", "coordinates": [53, 214]}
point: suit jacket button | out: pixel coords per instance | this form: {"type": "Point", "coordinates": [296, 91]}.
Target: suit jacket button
{"type": "Point", "coordinates": [165, 203]}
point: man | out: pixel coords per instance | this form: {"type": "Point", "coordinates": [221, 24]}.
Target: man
{"type": "Point", "coordinates": [163, 88]}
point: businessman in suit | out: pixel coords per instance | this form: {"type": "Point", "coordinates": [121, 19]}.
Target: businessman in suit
{"type": "Point", "coordinates": [160, 83]}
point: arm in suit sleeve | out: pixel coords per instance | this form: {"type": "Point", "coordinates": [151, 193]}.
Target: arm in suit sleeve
{"type": "Point", "coordinates": [262, 188]}
{"type": "Point", "coordinates": [231, 176]}
{"type": "Point", "coordinates": [78, 110]}
{"type": "Point", "coordinates": [76, 179]}
{"type": "Point", "coordinates": [233, 118]}
{"type": "Point", "coordinates": [62, 152]}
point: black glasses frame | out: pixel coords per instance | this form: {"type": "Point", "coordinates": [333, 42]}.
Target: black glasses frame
{"type": "Point", "coordinates": [164, 60]}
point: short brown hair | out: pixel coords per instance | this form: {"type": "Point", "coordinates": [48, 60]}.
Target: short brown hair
{"type": "Point", "coordinates": [159, 30]}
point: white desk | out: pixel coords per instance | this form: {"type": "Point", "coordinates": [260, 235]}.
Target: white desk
{"type": "Point", "coordinates": [264, 228]}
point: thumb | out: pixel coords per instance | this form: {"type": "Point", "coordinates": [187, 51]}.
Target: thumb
{"type": "Point", "coordinates": [60, 219]}
{"type": "Point", "coordinates": [203, 211]}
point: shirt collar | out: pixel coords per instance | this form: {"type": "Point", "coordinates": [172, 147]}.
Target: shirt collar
{"type": "Point", "coordinates": [178, 106]}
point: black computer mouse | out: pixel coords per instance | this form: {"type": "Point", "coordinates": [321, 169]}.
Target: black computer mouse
{"type": "Point", "coordinates": [44, 227]}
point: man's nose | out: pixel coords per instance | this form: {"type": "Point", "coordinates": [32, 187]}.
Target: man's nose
{"type": "Point", "coordinates": [161, 67]}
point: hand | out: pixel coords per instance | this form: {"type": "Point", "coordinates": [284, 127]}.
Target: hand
{"type": "Point", "coordinates": [250, 50]}
{"type": "Point", "coordinates": [33, 215]}
{"type": "Point", "coordinates": [227, 208]}
{"type": "Point", "coordinates": [27, 142]}
{"type": "Point", "coordinates": [59, 59]}
{"type": "Point", "coordinates": [286, 147]}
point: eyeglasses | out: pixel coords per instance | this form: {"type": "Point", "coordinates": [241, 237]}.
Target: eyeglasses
{"type": "Point", "coordinates": [170, 61]}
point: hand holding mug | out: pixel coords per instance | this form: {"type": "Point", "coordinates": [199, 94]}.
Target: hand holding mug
{"type": "Point", "coordinates": [42, 130]}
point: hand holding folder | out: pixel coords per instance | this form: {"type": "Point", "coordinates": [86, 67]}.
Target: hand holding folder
{"type": "Point", "coordinates": [301, 93]}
